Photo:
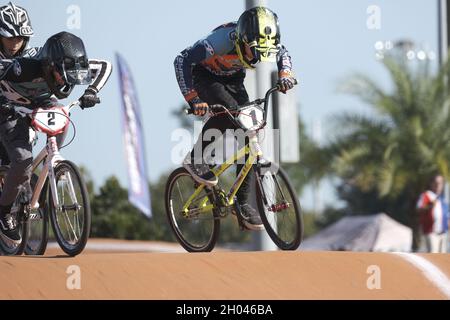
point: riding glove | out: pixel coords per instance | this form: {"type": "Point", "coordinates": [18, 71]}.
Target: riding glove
{"type": "Point", "coordinates": [285, 81]}
{"type": "Point", "coordinates": [89, 99]}
{"type": "Point", "coordinates": [198, 106]}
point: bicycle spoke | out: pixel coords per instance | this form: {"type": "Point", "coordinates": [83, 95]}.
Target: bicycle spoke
{"type": "Point", "coordinates": [71, 191]}
{"type": "Point", "coordinates": [69, 212]}
{"type": "Point", "coordinates": [69, 227]}
{"type": "Point", "coordinates": [283, 221]}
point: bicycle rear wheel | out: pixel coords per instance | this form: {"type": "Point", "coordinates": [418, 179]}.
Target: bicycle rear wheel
{"type": "Point", "coordinates": [38, 223]}
{"type": "Point", "coordinates": [279, 207]}
{"type": "Point", "coordinates": [71, 220]}
{"type": "Point", "coordinates": [196, 232]}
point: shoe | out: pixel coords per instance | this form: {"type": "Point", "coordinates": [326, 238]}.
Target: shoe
{"type": "Point", "coordinates": [201, 173]}
{"type": "Point", "coordinates": [251, 218]}
{"type": "Point", "coordinates": [9, 229]}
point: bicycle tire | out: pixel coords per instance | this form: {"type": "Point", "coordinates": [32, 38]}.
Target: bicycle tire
{"type": "Point", "coordinates": [180, 235]}
{"type": "Point", "coordinates": [72, 249]}
{"type": "Point", "coordinates": [272, 222]}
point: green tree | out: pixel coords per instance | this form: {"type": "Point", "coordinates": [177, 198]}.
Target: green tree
{"type": "Point", "coordinates": [113, 216]}
{"type": "Point", "coordinates": [386, 156]}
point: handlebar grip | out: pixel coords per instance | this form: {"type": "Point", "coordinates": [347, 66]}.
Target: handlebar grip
{"type": "Point", "coordinates": [97, 100]}
{"type": "Point", "coordinates": [278, 87]}
{"type": "Point", "coordinates": [215, 108]}
{"type": "Point", "coordinates": [211, 108]}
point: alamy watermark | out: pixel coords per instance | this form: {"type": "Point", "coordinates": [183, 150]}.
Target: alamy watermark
{"type": "Point", "coordinates": [73, 281]}
{"type": "Point", "coordinates": [214, 147]}
{"type": "Point", "coordinates": [373, 21]}
{"type": "Point", "coordinates": [374, 280]}
{"type": "Point", "coordinates": [74, 17]}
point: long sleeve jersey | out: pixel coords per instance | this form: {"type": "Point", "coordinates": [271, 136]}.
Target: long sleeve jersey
{"type": "Point", "coordinates": [217, 54]}
{"type": "Point", "coordinates": [22, 82]}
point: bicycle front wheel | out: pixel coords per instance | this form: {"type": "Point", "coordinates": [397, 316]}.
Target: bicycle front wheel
{"type": "Point", "coordinates": [195, 230]}
{"type": "Point", "coordinates": [71, 217]}
{"type": "Point", "coordinates": [279, 208]}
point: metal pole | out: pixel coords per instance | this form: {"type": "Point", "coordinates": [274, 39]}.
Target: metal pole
{"type": "Point", "coordinates": [259, 81]}
{"type": "Point", "coordinates": [443, 42]}
{"type": "Point", "coordinates": [443, 33]}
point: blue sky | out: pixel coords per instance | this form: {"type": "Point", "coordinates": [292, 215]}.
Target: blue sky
{"type": "Point", "coordinates": [327, 39]}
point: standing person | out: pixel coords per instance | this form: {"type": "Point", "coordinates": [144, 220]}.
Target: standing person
{"type": "Point", "coordinates": [212, 71]}
{"type": "Point", "coordinates": [433, 216]}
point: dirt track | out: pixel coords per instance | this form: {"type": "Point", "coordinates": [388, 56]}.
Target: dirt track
{"type": "Point", "coordinates": [219, 275]}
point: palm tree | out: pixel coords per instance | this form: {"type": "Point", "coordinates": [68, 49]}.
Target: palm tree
{"type": "Point", "coordinates": [391, 151]}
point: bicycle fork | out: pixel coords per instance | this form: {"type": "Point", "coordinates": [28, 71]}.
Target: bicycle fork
{"type": "Point", "coordinates": [51, 156]}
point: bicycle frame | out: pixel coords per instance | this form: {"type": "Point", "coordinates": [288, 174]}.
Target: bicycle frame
{"type": "Point", "coordinates": [50, 156]}
{"type": "Point", "coordinates": [254, 151]}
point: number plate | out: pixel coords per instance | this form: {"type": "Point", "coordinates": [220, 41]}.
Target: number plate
{"type": "Point", "coordinates": [51, 121]}
{"type": "Point", "coordinates": [251, 118]}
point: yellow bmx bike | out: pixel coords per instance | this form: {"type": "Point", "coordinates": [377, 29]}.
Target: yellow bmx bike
{"type": "Point", "coordinates": [194, 210]}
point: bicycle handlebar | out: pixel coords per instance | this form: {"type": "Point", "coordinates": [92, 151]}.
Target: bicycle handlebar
{"type": "Point", "coordinates": [20, 109]}
{"type": "Point", "coordinates": [216, 108]}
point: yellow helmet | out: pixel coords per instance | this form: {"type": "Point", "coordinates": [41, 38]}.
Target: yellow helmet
{"type": "Point", "coordinates": [257, 36]}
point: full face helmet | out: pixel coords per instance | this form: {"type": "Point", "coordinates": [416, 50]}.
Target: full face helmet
{"type": "Point", "coordinates": [65, 63]}
{"type": "Point", "coordinates": [257, 36]}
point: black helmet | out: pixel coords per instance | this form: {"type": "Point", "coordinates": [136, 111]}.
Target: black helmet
{"type": "Point", "coordinates": [257, 31]}
{"type": "Point", "coordinates": [65, 63]}
{"type": "Point", "coordinates": [14, 22]}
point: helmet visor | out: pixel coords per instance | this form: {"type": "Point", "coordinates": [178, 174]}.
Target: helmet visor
{"type": "Point", "coordinates": [78, 76]}
{"type": "Point", "coordinates": [77, 72]}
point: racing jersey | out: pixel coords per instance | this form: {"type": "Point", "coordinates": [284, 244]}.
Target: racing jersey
{"type": "Point", "coordinates": [217, 54]}
{"type": "Point", "coordinates": [21, 80]}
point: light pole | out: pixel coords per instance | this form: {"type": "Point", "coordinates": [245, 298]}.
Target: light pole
{"type": "Point", "coordinates": [257, 82]}
{"type": "Point", "coordinates": [443, 32]}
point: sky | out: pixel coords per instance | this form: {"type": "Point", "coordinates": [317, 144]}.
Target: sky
{"type": "Point", "coordinates": [327, 39]}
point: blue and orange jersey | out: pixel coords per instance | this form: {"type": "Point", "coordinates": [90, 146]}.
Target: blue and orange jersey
{"type": "Point", "coordinates": [217, 54]}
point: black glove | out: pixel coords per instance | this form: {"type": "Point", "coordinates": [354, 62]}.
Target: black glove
{"type": "Point", "coordinates": [89, 99]}
{"type": "Point", "coordinates": [285, 80]}
{"type": "Point", "coordinates": [286, 83]}
{"type": "Point", "coordinates": [198, 107]}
